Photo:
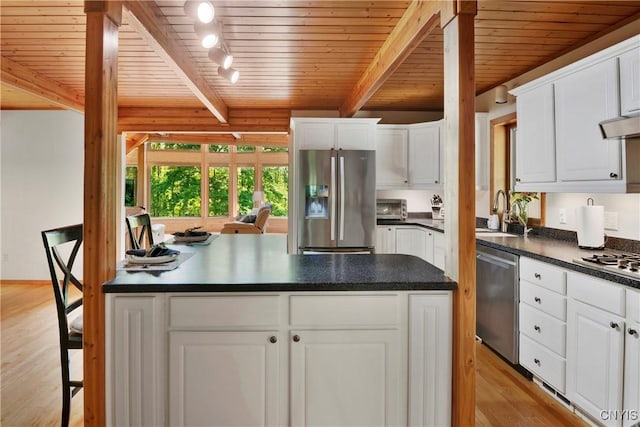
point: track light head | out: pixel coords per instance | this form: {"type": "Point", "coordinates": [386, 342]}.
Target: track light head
{"type": "Point", "coordinates": [221, 57]}
{"type": "Point", "coordinates": [209, 34]}
{"type": "Point", "coordinates": [229, 74]}
{"type": "Point", "coordinates": [203, 11]}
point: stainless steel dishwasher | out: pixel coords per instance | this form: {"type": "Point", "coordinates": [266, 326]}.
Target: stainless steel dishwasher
{"type": "Point", "coordinates": [497, 300]}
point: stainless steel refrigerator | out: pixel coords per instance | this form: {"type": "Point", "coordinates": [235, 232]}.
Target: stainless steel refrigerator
{"type": "Point", "coordinates": [336, 200]}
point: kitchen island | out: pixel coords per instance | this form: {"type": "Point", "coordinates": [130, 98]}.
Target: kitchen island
{"type": "Point", "coordinates": [243, 333]}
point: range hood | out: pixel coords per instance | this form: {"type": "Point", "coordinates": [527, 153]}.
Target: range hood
{"type": "Point", "coordinates": [621, 127]}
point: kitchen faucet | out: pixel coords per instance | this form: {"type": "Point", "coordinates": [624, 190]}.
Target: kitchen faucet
{"type": "Point", "coordinates": [505, 213]}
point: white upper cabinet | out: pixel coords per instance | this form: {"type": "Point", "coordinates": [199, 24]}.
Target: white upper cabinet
{"type": "Point", "coordinates": [409, 156]}
{"type": "Point", "coordinates": [582, 100]}
{"type": "Point", "coordinates": [424, 154]}
{"type": "Point", "coordinates": [560, 147]}
{"type": "Point", "coordinates": [325, 134]}
{"type": "Point", "coordinates": [536, 143]}
{"type": "Point", "coordinates": [391, 157]}
{"type": "Point", "coordinates": [630, 82]}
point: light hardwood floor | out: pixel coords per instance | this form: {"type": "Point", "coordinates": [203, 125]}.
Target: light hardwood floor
{"type": "Point", "coordinates": [30, 389]}
{"type": "Point", "coordinates": [30, 377]}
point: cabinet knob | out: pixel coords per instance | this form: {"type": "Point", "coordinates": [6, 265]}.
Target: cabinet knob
{"type": "Point", "coordinates": [273, 339]}
{"type": "Point", "coordinates": [537, 275]}
{"type": "Point", "coordinates": [406, 181]}
{"type": "Point", "coordinates": [613, 325]}
{"type": "Point", "coordinates": [536, 361]}
{"type": "Point", "coordinates": [537, 328]}
{"type": "Point", "coordinates": [613, 175]}
{"type": "Point", "coordinates": [517, 179]}
{"type": "Point", "coordinates": [296, 338]}
{"type": "Point", "coordinates": [632, 331]}
{"type": "Point", "coordinates": [537, 299]}
{"type": "Point", "coordinates": [436, 181]}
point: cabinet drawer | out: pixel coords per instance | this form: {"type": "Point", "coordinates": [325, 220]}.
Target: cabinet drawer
{"type": "Point", "coordinates": [344, 310]}
{"type": "Point", "coordinates": [596, 292]}
{"type": "Point", "coordinates": [544, 300]}
{"type": "Point", "coordinates": [223, 311]}
{"type": "Point", "coordinates": [633, 305]}
{"type": "Point", "coordinates": [544, 329]}
{"type": "Point", "coordinates": [543, 363]}
{"type": "Point", "coordinates": [543, 274]}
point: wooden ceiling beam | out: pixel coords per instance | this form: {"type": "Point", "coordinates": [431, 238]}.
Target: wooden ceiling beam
{"type": "Point", "coordinates": [150, 23]}
{"type": "Point", "coordinates": [264, 139]}
{"type": "Point", "coordinates": [199, 120]}
{"type": "Point", "coordinates": [136, 140]}
{"type": "Point", "coordinates": [419, 20]}
{"type": "Point", "coordinates": [23, 78]}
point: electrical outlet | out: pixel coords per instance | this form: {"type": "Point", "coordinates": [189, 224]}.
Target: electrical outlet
{"type": "Point", "coordinates": [562, 215]}
{"type": "Point", "coordinates": [611, 220]}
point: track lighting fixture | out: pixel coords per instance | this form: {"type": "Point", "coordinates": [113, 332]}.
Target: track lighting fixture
{"type": "Point", "coordinates": [209, 34]}
{"type": "Point", "coordinates": [229, 74]}
{"type": "Point", "coordinates": [220, 56]}
{"type": "Point", "coordinates": [203, 11]}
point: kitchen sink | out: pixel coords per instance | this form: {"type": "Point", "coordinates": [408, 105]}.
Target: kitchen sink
{"type": "Point", "coordinates": [485, 232]}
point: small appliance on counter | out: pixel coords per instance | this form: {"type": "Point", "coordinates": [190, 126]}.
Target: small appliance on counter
{"type": "Point", "coordinates": [394, 209]}
{"type": "Point", "coordinates": [590, 226]}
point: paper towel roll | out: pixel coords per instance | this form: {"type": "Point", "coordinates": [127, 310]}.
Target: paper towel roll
{"type": "Point", "coordinates": [590, 226]}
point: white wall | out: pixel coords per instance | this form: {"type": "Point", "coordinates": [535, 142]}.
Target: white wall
{"type": "Point", "coordinates": [41, 182]}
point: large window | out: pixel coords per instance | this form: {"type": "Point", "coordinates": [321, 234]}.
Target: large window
{"type": "Point", "coordinates": [275, 184]}
{"type": "Point", "coordinates": [131, 186]}
{"type": "Point", "coordinates": [246, 180]}
{"type": "Point", "coordinates": [175, 191]}
{"type": "Point", "coordinates": [212, 182]}
{"type": "Point", "coordinates": [219, 191]}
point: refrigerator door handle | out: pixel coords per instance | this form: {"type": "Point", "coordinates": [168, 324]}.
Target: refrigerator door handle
{"type": "Point", "coordinates": [342, 198]}
{"type": "Point", "coordinates": [333, 197]}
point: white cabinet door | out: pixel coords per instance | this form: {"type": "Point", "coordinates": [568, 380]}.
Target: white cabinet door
{"type": "Point", "coordinates": [630, 82]}
{"type": "Point", "coordinates": [391, 157]}
{"type": "Point", "coordinates": [482, 151]}
{"type": "Point", "coordinates": [412, 241]}
{"type": "Point", "coordinates": [424, 154]}
{"type": "Point", "coordinates": [346, 378]}
{"type": "Point", "coordinates": [429, 246]}
{"type": "Point", "coordinates": [632, 374]}
{"type": "Point", "coordinates": [385, 239]}
{"type": "Point", "coordinates": [429, 360]}
{"type": "Point", "coordinates": [536, 142]}
{"type": "Point", "coordinates": [315, 136]}
{"type": "Point", "coordinates": [439, 250]}
{"type": "Point", "coordinates": [136, 366]}
{"type": "Point", "coordinates": [582, 100]}
{"type": "Point", "coordinates": [223, 378]}
{"type": "Point", "coordinates": [595, 340]}
{"type": "Point", "coordinates": [355, 136]}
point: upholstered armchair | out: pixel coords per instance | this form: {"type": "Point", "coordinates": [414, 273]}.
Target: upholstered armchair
{"type": "Point", "coordinates": [249, 225]}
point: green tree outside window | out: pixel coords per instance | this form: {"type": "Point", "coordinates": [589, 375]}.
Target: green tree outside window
{"type": "Point", "coordinates": [275, 184]}
{"type": "Point", "coordinates": [173, 146]}
{"type": "Point", "coordinates": [246, 180]}
{"type": "Point", "coordinates": [246, 148]}
{"type": "Point", "coordinates": [175, 191]}
{"type": "Point", "coordinates": [219, 191]}
{"type": "Point", "coordinates": [219, 148]}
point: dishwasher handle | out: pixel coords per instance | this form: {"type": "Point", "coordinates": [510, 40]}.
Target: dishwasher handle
{"type": "Point", "coordinates": [492, 259]}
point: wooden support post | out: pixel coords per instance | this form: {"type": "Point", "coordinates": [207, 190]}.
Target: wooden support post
{"type": "Point", "coordinates": [459, 112]}
{"type": "Point", "coordinates": [101, 179]}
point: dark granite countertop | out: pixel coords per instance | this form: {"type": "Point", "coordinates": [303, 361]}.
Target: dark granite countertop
{"type": "Point", "coordinates": [260, 263]}
{"type": "Point", "coordinates": [546, 249]}
{"type": "Point", "coordinates": [553, 251]}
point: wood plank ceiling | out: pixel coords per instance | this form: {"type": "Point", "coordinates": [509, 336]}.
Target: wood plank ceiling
{"type": "Point", "coordinates": [291, 54]}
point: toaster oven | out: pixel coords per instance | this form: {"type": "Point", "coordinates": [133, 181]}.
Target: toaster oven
{"type": "Point", "coordinates": [391, 209]}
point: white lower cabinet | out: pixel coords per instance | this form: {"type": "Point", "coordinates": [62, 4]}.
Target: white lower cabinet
{"type": "Point", "coordinates": [595, 347]}
{"type": "Point", "coordinates": [223, 378]}
{"type": "Point", "coordinates": [301, 358]}
{"type": "Point", "coordinates": [412, 240]}
{"type": "Point", "coordinates": [631, 402]}
{"type": "Point", "coordinates": [346, 378]}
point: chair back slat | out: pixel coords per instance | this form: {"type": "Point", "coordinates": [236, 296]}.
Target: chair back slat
{"type": "Point", "coordinates": [139, 227]}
